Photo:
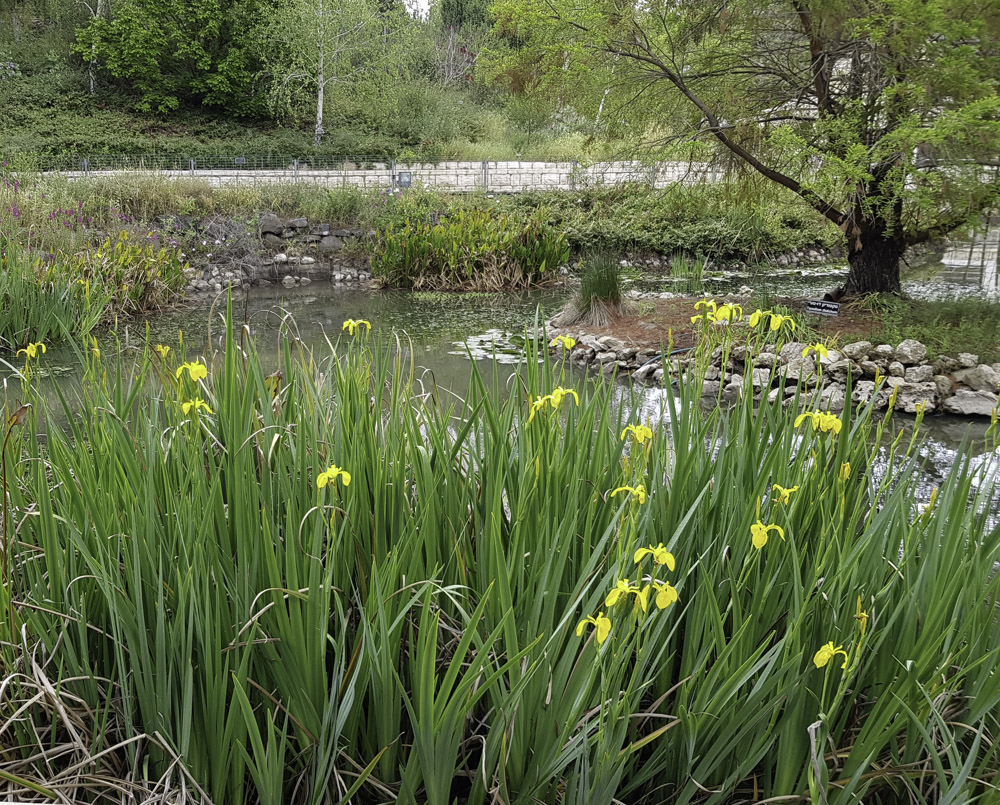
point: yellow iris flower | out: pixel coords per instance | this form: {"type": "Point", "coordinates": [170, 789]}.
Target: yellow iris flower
{"type": "Point", "coordinates": [553, 400]}
{"type": "Point", "coordinates": [353, 325]}
{"type": "Point", "coordinates": [640, 433]}
{"type": "Point", "coordinates": [728, 312]}
{"type": "Point", "coordinates": [601, 623]}
{"type": "Point", "coordinates": [162, 351]}
{"type": "Point", "coordinates": [818, 348]}
{"type": "Point", "coordinates": [567, 342]}
{"type": "Point", "coordinates": [776, 319]}
{"type": "Point", "coordinates": [623, 589]}
{"type": "Point", "coordinates": [196, 371]}
{"type": "Point", "coordinates": [784, 495]}
{"type": "Point", "coordinates": [666, 594]}
{"type": "Point", "coordinates": [197, 404]}
{"type": "Point", "coordinates": [827, 653]}
{"type": "Point", "coordinates": [638, 492]}
{"type": "Point", "coordinates": [825, 422]}
{"type": "Point", "coordinates": [330, 475]}
{"type": "Point", "coordinates": [759, 532]}
{"type": "Point", "coordinates": [661, 556]}
{"type": "Point", "coordinates": [32, 351]}
{"type": "Point", "coordinates": [845, 471]}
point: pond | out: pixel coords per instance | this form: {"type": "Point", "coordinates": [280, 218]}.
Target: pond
{"type": "Point", "coordinates": [442, 331]}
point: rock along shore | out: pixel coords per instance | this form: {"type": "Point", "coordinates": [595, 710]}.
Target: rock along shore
{"type": "Point", "coordinates": [902, 374]}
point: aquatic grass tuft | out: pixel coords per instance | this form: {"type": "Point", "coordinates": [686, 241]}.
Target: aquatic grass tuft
{"type": "Point", "coordinates": [198, 617]}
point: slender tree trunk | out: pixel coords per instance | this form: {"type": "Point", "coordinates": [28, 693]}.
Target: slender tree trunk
{"type": "Point", "coordinates": [873, 257]}
{"type": "Point", "coordinates": [92, 67]}
{"type": "Point", "coordinates": [320, 97]}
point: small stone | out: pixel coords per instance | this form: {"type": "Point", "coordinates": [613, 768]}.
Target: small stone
{"type": "Point", "coordinates": [982, 378]}
{"type": "Point", "coordinates": [304, 280]}
{"type": "Point", "coordinates": [761, 378]}
{"type": "Point", "coordinates": [882, 354]}
{"type": "Point", "coordinates": [270, 224]}
{"type": "Point", "coordinates": [612, 368]}
{"type": "Point", "coordinates": [838, 372]}
{"type": "Point", "coordinates": [971, 403]}
{"type": "Point", "coordinates": [288, 281]}
{"type": "Point", "coordinates": [792, 350]}
{"type": "Point", "coordinates": [944, 385]}
{"type": "Point", "coordinates": [298, 223]}
{"type": "Point", "coordinates": [644, 372]}
{"type": "Point", "coordinates": [330, 243]}
{"type": "Point", "coordinates": [858, 350]}
{"type": "Point", "coordinates": [710, 388]}
{"type": "Point", "coordinates": [911, 395]}
{"type": "Point", "coordinates": [911, 352]}
{"type": "Point", "coordinates": [713, 373]}
{"type": "Point", "coordinates": [833, 397]}
{"type": "Point", "coordinates": [321, 230]}
{"type": "Point", "coordinates": [967, 360]}
{"type": "Point", "coordinates": [863, 391]}
{"type": "Point", "coordinates": [606, 357]}
{"type": "Point", "coordinates": [281, 258]}
{"type": "Point", "coordinates": [768, 360]}
{"type": "Point", "coordinates": [272, 241]}
{"type": "Point", "coordinates": [919, 374]}
{"type": "Point", "coordinates": [869, 368]}
{"type": "Point", "coordinates": [944, 365]}
{"type": "Point", "coordinates": [338, 277]}
{"type": "Point", "coordinates": [308, 261]}
{"type": "Point", "coordinates": [896, 369]}
{"type": "Point", "coordinates": [613, 344]}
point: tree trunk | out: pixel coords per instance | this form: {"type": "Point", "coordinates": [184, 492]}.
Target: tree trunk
{"type": "Point", "coordinates": [320, 98]}
{"type": "Point", "coordinates": [873, 258]}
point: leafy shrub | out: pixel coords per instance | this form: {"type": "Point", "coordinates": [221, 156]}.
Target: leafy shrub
{"type": "Point", "coordinates": [472, 249]}
{"type": "Point", "coordinates": [136, 273]}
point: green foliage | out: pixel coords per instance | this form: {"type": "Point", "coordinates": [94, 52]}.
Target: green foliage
{"type": "Point", "coordinates": [945, 326]}
{"type": "Point", "coordinates": [173, 51]}
{"type": "Point", "coordinates": [180, 588]}
{"type": "Point", "coordinates": [681, 265]}
{"type": "Point", "coordinates": [472, 249]}
{"type": "Point", "coordinates": [42, 302]}
{"type": "Point", "coordinates": [721, 222]}
{"type": "Point", "coordinates": [136, 274]}
{"type": "Point", "coordinates": [600, 281]}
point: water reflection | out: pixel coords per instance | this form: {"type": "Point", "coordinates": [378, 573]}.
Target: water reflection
{"type": "Point", "coordinates": [965, 267]}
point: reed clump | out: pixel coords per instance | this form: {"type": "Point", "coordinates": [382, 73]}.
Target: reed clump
{"type": "Point", "coordinates": [310, 583]}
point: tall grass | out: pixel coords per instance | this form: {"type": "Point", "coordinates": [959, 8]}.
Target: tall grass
{"type": "Point", "coordinates": [39, 301]}
{"type": "Point", "coordinates": [600, 295]}
{"type": "Point", "coordinates": [187, 616]}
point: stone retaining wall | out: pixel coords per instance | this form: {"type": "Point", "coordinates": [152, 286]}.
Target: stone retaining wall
{"type": "Point", "coordinates": [460, 176]}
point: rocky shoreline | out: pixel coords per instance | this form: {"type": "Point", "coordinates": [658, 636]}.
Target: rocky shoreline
{"type": "Point", "coordinates": [901, 375]}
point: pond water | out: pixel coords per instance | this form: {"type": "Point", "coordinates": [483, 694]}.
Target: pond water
{"type": "Point", "coordinates": [444, 330]}
{"type": "Point", "coordinates": [962, 267]}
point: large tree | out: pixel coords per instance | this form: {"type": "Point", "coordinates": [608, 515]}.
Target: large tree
{"type": "Point", "coordinates": [883, 115]}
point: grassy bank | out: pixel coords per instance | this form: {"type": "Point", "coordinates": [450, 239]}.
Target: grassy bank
{"type": "Point", "coordinates": [203, 605]}
{"type": "Point", "coordinates": [726, 221]}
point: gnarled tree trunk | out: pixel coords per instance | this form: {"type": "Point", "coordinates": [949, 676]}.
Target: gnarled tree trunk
{"type": "Point", "coordinates": [873, 257]}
